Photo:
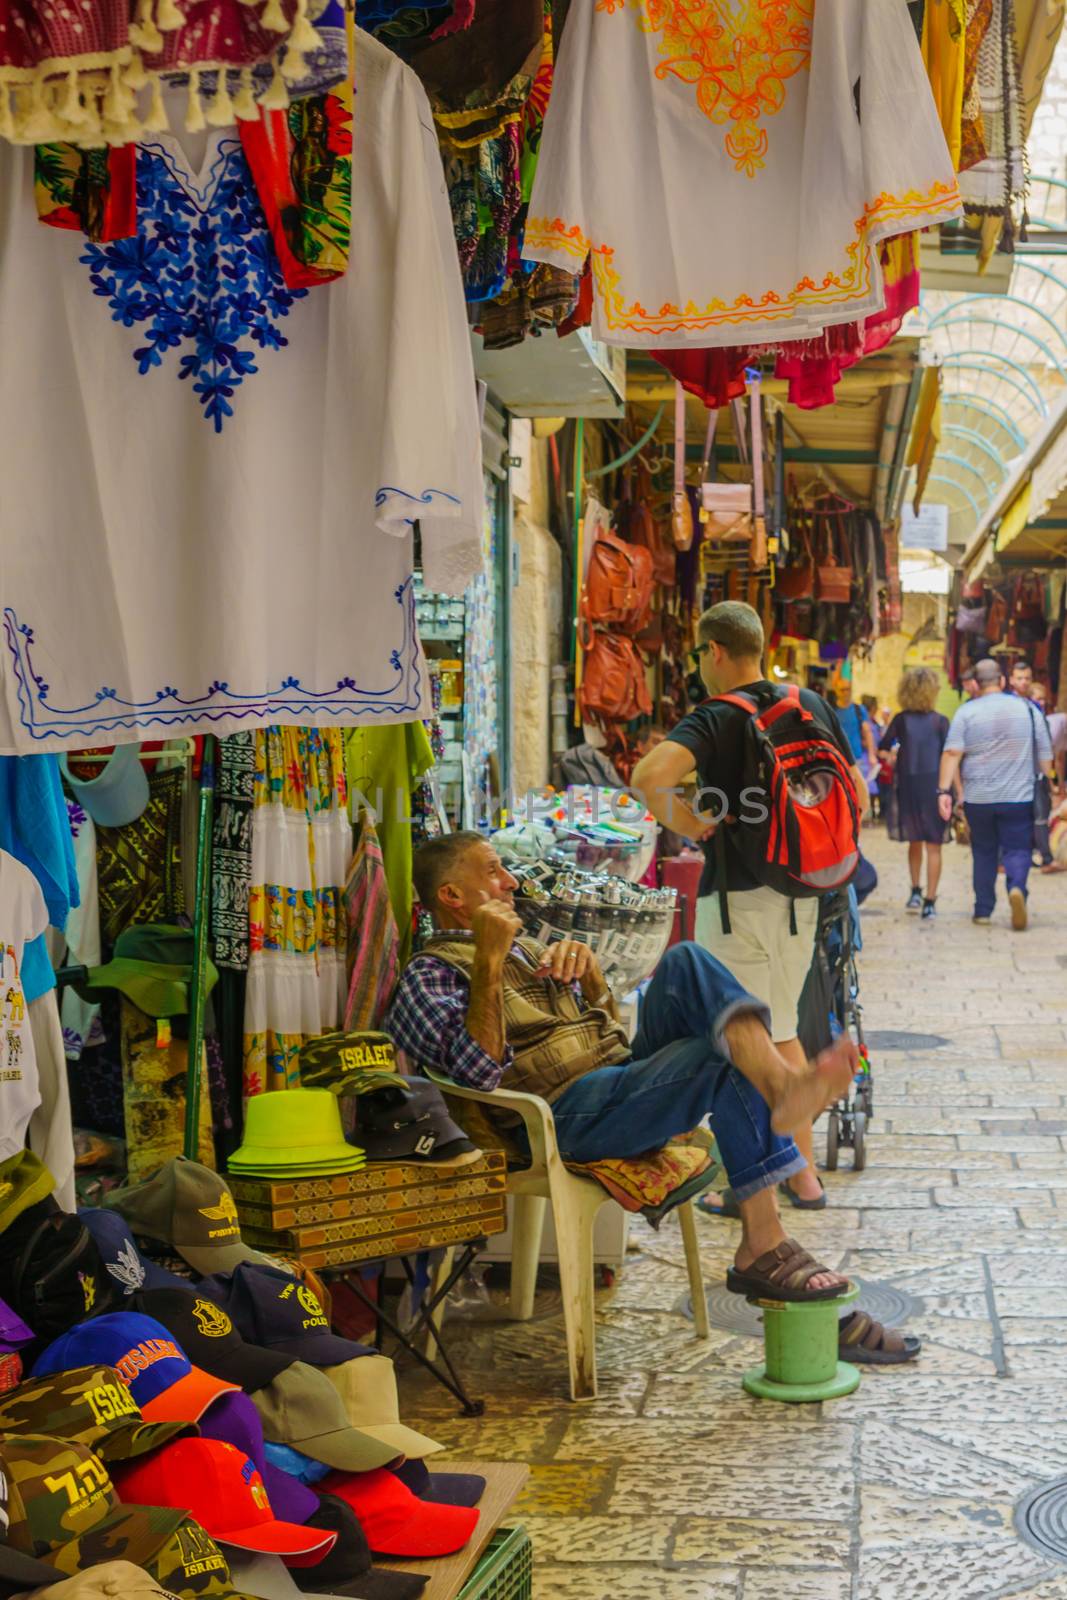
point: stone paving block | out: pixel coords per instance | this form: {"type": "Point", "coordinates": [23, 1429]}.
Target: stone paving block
{"type": "Point", "coordinates": [1036, 1301]}
{"type": "Point", "coordinates": [592, 1539]}
{"type": "Point", "coordinates": [729, 1489]}
{"type": "Point", "coordinates": [566, 1488]}
{"type": "Point", "coordinates": [765, 1541]}
{"type": "Point", "coordinates": [612, 1582]}
{"type": "Point", "coordinates": [975, 1571]}
{"type": "Point", "coordinates": [778, 1584]}
{"type": "Point", "coordinates": [896, 1517]}
{"type": "Point", "coordinates": [900, 1459]}
{"type": "Point", "coordinates": [995, 1196]}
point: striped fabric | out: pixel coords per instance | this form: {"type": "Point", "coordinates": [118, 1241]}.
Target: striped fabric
{"type": "Point", "coordinates": [373, 954]}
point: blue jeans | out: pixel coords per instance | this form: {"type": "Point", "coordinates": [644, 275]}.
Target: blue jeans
{"type": "Point", "coordinates": [680, 1073]}
{"type": "Point", "coordinates": [1000, 832]}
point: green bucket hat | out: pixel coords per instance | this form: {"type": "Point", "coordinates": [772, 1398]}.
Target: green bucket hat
{"type": "Point", "coordinates": [24, 1180]}
{"type": "Point", "coordinates": [289, 1129]}
{"type": "Point", "coordinates": [153, 967]}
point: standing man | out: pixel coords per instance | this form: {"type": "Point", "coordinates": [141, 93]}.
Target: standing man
{"type": "Point", "coordinates": [996, 747]}
{"type": "Point", "coordinates": [771, 941]}
{"type": "Point", "coordinates": [856, 725]}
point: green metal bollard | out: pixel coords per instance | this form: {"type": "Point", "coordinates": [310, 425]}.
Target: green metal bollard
{"type": "Point", "coordinates": [800, 1352]}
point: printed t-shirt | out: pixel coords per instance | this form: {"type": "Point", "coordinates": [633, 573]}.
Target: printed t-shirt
{"type": "Point", "coordinates": [23, 917]}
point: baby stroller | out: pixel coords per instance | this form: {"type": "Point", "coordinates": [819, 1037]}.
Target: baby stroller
{"type": "Point", "coordinates": [829, 1006]}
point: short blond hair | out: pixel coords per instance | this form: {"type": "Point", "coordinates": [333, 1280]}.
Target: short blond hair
{"type": "Point", "coordinates": [919, 689]}
{"type": "Point", "coordinates": [734, 626]}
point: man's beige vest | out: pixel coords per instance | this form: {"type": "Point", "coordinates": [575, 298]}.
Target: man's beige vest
{"type": "Point", "coordinates": [552, 1039]}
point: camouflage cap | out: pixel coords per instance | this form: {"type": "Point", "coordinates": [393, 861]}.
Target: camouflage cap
{"type": "Point", "coordinates": [190, 1207]}
{"type": "Point", "coordinates": [90, 1406]}
{"type": "Point", "coordinates": [62, 1508]}
{"type": "Point", "coordinates": [345, 1062]}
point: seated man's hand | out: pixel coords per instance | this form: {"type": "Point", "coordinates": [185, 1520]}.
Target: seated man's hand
{"type": "Point", "coordinates": [571, 961]}
{"type": "Point", "coordinates": [495, 927]}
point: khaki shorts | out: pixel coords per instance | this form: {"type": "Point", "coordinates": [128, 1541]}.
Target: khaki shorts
{"type": "Point", "coordinates": [760, 951]}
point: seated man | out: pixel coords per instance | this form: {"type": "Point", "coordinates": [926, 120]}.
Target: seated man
{"type": "Point", "coordinates": [485, 1005]}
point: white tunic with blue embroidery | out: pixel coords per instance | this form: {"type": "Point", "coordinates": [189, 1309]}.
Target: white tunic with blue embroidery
{"type": "Point", "coordinates": [208, 481]}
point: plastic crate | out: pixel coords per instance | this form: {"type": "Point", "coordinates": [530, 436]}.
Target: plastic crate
{"type": "Point", "coordinates": [505, 1572]}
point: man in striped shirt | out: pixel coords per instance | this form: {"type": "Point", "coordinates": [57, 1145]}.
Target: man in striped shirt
{"type": "Point", "coordinates": [997, 746]}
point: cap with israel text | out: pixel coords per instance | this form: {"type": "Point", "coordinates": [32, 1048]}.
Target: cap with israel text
{"type": "Point", "coordinates": [188, 1206]}
{"type": "Point", "coordinates": [160, 1376]}
{"type": "Point", "coordinates": [90, 1406]}
{"type": "Point", "coordinates": [63, 1510]}
{"type": "Point", "coordinates": [272, 1309]}
{"type": "Point", "coordinates": [341, 1062]}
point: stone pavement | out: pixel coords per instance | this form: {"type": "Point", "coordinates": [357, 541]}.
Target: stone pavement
{"type": "Point", "coordinates": [675, 1485]}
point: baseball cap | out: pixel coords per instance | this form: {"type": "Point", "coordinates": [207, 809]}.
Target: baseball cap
{"type": "Point", "coordinates": [123, 1261]}
{"type": "Point", "coordinates": [221, 1488]}
{"type": "Point", "coordinates": [269, 1579]}
{"type": "Point", "coordinates": [292, 1462]}
{"type": "Point", "coordinates": [341, 1062]}
{"type": "Point", "coordinates": [90, 1406]}
{"type": "Point", "coordinates": [51, 1273]}
{"type": "Point", "coordinates": [152, 966]}
{"type": "Point", "coordinates": [409, 1121]}
{"type": "Point", "coordinates": [287, 1130]}
{"type": "Point", "coordinates": [13, 1331]}
{"type": "Point", "coordinates": [397, 1522]}
{"type": "Point", "coordinates": [18, 1570]}
{"type": "Point", "coordinates": [111, 1580]}
{"type": "Point", "coordinates": [302, 1408]}
{"type": "Point", "coordinates": [447, 1488]}
{"type": "Point", "coordinates": [273, 1310]}
{"type": "Point", "coordinates": [188, 1206]}
{"type": "Point", "coordinates": [62, 1507]}
{"type": "Point", "coordinates": [347, 1569]}
{"type": "Point", "coordinates": [24, 1179]}
{"type": "Point", "coordinates": [368, 1390]}
{"type": "Point", "coordinates": [161, 1378]}
{"type": "Point", "coordinates": [208, 1337]}
{"type": "Point", "coordinates": [234, 1419]}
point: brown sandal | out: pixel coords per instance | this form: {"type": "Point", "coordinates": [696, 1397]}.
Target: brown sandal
{"type": "Point", "coordinates": [782, 1274]}
{"type": "Point", "coordinates": [866, 1342]}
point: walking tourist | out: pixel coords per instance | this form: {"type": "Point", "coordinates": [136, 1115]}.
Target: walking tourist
{"type": "Point", "coordinates": [996, 748]}
{"type": "Point", "coordinates": [916, 736]}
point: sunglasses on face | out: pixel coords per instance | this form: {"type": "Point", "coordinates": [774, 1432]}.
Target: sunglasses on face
{"type": "Point", "coordinates": [698, 653]}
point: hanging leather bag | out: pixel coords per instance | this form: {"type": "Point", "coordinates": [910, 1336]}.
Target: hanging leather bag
{"type": "Point", "coordinates": [618, 585]}
{"type": "Point", "coordinates": [613, 679]}
{"type": "Point", "coordinates": [635, 524]}
{"type": "Point", "coordinates": [833, 579]}
{"type": "Point", "coordinates": [797, 581]}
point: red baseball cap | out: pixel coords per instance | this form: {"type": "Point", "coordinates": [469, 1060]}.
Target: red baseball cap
{"type": "Point", "coordinates": [221, 1489]}
{"type": "Point", "coordinates": [397, 1522]}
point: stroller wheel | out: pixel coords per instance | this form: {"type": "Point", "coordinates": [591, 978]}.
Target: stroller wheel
{"type": "Point", "coordinates": [865, 1100]}
{"type": "Point", "coordinates": [833, 1140]}
{"type": "Point", "coordinates": [859, 1141]}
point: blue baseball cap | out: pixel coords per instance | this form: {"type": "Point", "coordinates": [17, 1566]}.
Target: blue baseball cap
{"type": "Point", "coordinates": [271, 1308]}
{"type": "Point", "coordinates": [157, 1372]}
{"type": "Point", "coordinates": [130, 1269]}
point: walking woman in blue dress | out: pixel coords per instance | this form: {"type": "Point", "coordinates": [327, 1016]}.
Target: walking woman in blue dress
{"type": "Point", "coordinates": [916, 735]}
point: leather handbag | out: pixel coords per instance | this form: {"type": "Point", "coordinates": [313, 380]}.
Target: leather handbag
{"type": "Point", "coordinates": [613, 685]}
{"type": "Point", "coordinates": [618, 585]}
{"type": "Point", "coordinates": [734, 513]}
{"type": "Point", "coordinates": [833, 579]}
{"type": "Point", "coordinates": [797, 581]}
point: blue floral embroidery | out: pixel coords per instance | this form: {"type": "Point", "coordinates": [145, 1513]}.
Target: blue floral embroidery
{"type": "Point", "coordinates": [201, 271]}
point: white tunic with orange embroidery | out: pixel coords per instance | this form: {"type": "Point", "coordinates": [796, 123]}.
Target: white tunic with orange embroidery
{"type": "Point", "coordinates": [731, 165]}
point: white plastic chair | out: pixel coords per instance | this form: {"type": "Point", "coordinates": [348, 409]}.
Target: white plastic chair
{"type": "Point", "coordinates": [575, 1203]}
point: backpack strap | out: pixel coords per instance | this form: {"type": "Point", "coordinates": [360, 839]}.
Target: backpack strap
{"type": "Point", "coordinates": [744, 702]}
{"type": "Point", "coordinates": [720, 873]}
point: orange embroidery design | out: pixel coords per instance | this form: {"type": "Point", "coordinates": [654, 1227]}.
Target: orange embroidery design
{"type": "Point", "coordinates": [739, 54]}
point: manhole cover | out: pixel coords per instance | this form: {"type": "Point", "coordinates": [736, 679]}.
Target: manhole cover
{"type": "Point", "coordinates": [734, 1314]}
{"type": "Point", "coordinates": [894, 1039]}
{"type": "Point", "coordinates": [1041, 1519]}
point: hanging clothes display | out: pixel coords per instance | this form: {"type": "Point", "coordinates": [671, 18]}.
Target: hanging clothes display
{"type": "Point", "coordinates": [301, 847]}
{"type": "Point", "coordinates": [993, 184]}
{"type": "Point", "coordinates": [815, 124]}
{"type": "Point", "coordinates": [139, 865]}
{"type": "Point", "coordinates": [285, 474]}
{"type": "Point", "coordinates": [231, 854]}
{"type": "Point", "coordinates": [384, 768]}
{"type": "Point", "coordinates": [372, 961]}
{"type": "Point", "coordinates": [23, 918]}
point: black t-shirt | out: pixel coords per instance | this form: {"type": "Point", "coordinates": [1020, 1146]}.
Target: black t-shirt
{"type": "Point", "coordinates": [715, 733]}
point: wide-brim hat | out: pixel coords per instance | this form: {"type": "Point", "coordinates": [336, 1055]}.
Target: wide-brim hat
{"type": "Point", "coordinates": [294, 1127]}
{"type": "Point", "coordinates": [118, 794]}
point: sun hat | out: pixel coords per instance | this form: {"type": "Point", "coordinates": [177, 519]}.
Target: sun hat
{"type": "Point", "coordinates": [302, 1408]}
{"type": "Point", "coordinates": [234, 1419]}
{"type": "Point", "coordinates": [409, 1121]}
{"type": "Point", "coordinates": [90, 1406]}
{"type": "Point", "coordinates": [368, 1390]}
{"type": "Point", "coordinates": [188, 1206]}
{"type": "Point", "coordinates": [221, 1488]}
{"type": "Point", "coordinates": [124, 1262]}
{"type": "Point", "coordinates": [152, 966]}
{"type": "Point", "coordinates": [161, 1378]}
{"type": "Point", "coordinates": [337, 1061]}
{"type": "Point", "coordinates": [274, 1311]}
{"type": "Point", "coordinates": [397, 1522]}
{"type": "Point", "coordinates": [43, 1522]}
{"type": "Point", "coordinates": [119, 792]}
{"type": "Point", "coordinates": [206, 1334]}
{"type": "Point", "coordinates": [24, 1180]}
{"type": "Point", "coordinates": [289, 1129]}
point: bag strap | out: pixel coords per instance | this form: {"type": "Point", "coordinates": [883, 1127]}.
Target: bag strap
{"type": "Point", "coordinates": [759, 488]}
{"type": "Point", "coordinates": [679, 441]}
{"type": "Point", "coordinates": [719, 838]}
{"type": "Point", "coordinates": [709, 444]}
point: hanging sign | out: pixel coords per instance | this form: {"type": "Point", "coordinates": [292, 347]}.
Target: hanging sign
{"type": "Point", "coordinates": [926, 529]}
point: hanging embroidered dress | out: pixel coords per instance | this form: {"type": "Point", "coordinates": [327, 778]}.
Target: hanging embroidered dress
{"type": "Point", "coordinates": [730, 168]}
{"type": "Point", "coordinates": [227, 470]}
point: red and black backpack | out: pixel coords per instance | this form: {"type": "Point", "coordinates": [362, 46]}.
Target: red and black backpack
{"type": "Point", "coordinates": [799, 827]}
